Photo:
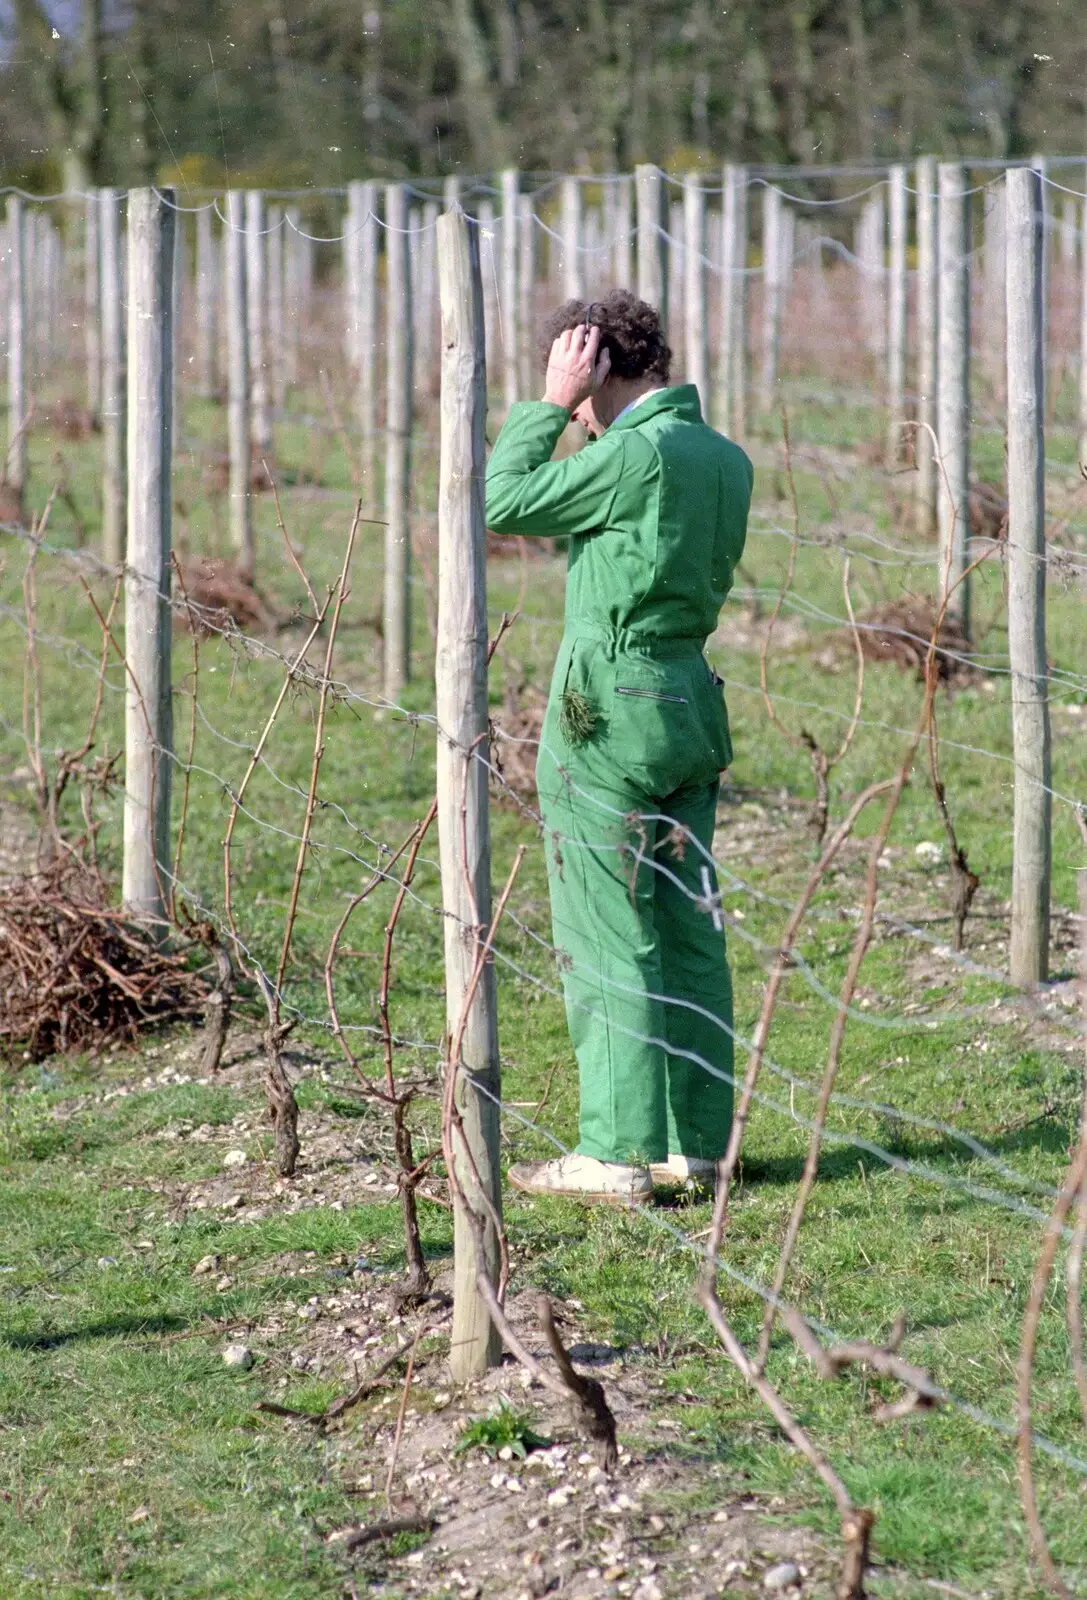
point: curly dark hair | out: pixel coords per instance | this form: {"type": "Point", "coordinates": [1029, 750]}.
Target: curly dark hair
{"type": "Point", "coordinates": [630, 331]}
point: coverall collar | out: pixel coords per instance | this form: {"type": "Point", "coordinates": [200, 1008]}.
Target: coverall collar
{"type": "Point", "coordinates": [681, 398]}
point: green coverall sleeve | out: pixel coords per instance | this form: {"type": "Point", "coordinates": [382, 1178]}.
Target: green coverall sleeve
{"type": "Point", "coordinates": [529, 493]}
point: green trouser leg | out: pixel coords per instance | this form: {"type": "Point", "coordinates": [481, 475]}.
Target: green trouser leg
{"type": "Point", "coordinates": [646, 979]}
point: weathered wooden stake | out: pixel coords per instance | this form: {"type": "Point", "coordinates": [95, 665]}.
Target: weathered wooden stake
{"type": "Point", "coordinates": [207, 280]}
{"type": "Point", "coordinates": [508, 300]}
{"type": "Point", "coordinates": [1068, 229]}
{"type": "Point", "coordinates": [993, 289]}
{"type": "Point", "coordinates": [1083, 342]}
{"type": "Point", "coordinates": [622, 270]}
{"type": "Point", "coordinates": [463, 817]}
{"type": "Point", "coordinates": [870, 264]}
{"type": "Point", "coordinates": [488, 263]}
{"type": "Point", "coordinates": [695, 321]}
{"type": "Point", "coordinates": [366, 347]}
{"type": "Point", "coordinates": [788, 255]}
{"type": "Point", "coordinates": [178, 322]}
{"type": "Point", "coordinates": [352, 245]}
{"type": "Point", "coordinates": [675, 258]}
{"type": "Point", "coordinates": [573, 268]}
{"type": "Point", "coordinates": [92, 321]}
{"type": "Point", "coordinates": [114, 381]}
{"type": "Point", "coordinates": [732, 363]}
{"type": "Point", "coordinates": [896, 316]}
{"type": "Point", "coordinates": [398, 419]}
{"type": "Point", "coordinates": [148, 705]}
{"type": "Point", "coordinates": [953, 386]}
{"type": "Point", "coordinates": [652, 245]}
{"type": "Point", "coordinates": [1032, 808]}
{"type": "Point", "coordinates": [771, 295]}
{"type": "Point", "coordinates": [526, 294]}
{"type": "Point", "coordinates": [15, 459]}
{"type": "Point", "coordinates": [427, 301]}
{"type": "Point", "coordinates": [277, 387]}
{"type": "Point", "coordinates": [238, 441]}
{"type": "Point", "coordinates": [927, 347]}
{"type": "Point", "coordinates": [260, 411]}
{"type": "Point", "coordinates": [292, 291]}
{"type": "Point", "coordinates": [1040, 165]}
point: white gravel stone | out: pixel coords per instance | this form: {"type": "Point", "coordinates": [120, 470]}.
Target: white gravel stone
{"type": "Point", "coordinates": [786, 1575]}
{"type": "Point", "coordinates": [235, 1158]}
{"type": "Point", "coordinates": [238, 1355]}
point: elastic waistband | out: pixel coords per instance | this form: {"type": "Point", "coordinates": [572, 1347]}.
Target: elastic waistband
{"type": "Point", "coordinates": [621, 641]}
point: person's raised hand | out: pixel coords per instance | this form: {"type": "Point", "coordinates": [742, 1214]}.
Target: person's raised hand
{"type": "Point", "coordinates": [576, 367]}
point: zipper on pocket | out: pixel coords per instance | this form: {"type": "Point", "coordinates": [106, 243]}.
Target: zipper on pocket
{"type": "Point", "coordinates": [653, 694]}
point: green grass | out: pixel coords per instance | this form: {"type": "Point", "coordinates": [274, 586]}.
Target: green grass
{"type": "Point", "coordinates": [112, 1399]}
{"type": "Point", "coordinates": [503, 1429]}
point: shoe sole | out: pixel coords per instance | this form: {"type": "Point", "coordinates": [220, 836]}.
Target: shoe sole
{"type": "Point", "coordinates": [590, 1197]}
{"type": "Point", "coordinates": [663, 1178]}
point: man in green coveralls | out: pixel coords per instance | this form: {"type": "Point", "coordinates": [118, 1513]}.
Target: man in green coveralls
{"type": "Point", "coordinates": [634, 739]}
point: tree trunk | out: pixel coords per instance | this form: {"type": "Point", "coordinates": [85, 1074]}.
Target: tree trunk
{"type": "Point", "coordinates": [69, 89]}
{"type": "Point", "coordinates": [477, 75]}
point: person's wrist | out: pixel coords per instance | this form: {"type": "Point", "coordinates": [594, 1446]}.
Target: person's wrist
{"type": "Point", "coordinates": [559, 400]}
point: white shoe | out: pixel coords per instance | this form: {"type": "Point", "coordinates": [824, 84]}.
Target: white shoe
{"type": "Point", "coordinates": [684, 1172]}
{"type": "Point", "coordinates": [584, 1178]}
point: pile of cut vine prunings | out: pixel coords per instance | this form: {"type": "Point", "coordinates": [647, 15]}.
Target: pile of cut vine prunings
{"type": "Point", "coordinates": [76, 972]}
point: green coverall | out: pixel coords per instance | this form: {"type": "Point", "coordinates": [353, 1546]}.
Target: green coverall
{"type": "Point", "coordinates": [634, 739]}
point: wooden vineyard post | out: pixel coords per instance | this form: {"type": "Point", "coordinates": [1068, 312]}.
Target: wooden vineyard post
{"type": "Point", "coordinates": [993, 290]}
{"type": "Point", "coordinates": [732, 364]}
{"type": "Point", "coordinates": [463, 815]}
{"type": "Point", "coordinates": [178, 323]}
{"type": "Point", "coordinates": [526, 292]}
{"type": "Point", "coordinates": [148, 718]}
{"type": "Point", "coordinates": [398, 419]}
{"type": "Point", "coordinates": [1040, 165]}
{"type": "Point", "coordinates": [352, 244]}
{"type": "Point", "coordinates": [573, 276]}
{"type": "Point", "coordinates": [260, 411]}
{"type": "Point", "coordinates": [896, 316]}
{"type": "Point", "coordinates": [366, 349]}
{"type": "Point", "coordinates": [675, 256]}
{"type": "Point", "coordinates": [274, 310]}
{"type": "Point", "coordinates": [1068, 230]}
{"type": "Point", "coordinates": [695, 321]}
{"type": "Point", "coordinates": [870, 263]}
{"type": "Point", "coordinates": [509, 301]}
{"type": "Point", "coordinates": [652, 247]}
{"type": "Point", "coordinates": [771, 295]}
{"type": "Point", "coordinates": [488, 266]}
{"type": "Point", "coordinates": [622, 255]}
{"type": "Point", "coordinates": [953, 386]}
{"type": "Point", "coordinates": [927, 326]}
{"type": "Point", "coordinates": [206, 305]}
{"type": "Point", "coordinates": [1031, 832]}
{"type": "Point", "coordinates": [1083, 338]}
{"type": "Point", "coordinates": [92, 322]}
{"type": "Point", "coordinates": [292, 291]}
{"type": "Point", "coordinates": [787, 253]}
{"type": "Point", "coordinates": [239, 490]}
{"type": "Point", "coordinates": [15, 457]}
{"type": "Point", "coordinates": [426, 320]}
{"type": "Point", "coordinates": [114, 380]}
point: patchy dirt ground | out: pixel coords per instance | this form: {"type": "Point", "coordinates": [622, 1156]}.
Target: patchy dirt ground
{"type": "Point", "coordinates": [668, 1524]}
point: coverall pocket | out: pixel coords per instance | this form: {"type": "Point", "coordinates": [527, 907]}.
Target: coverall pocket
{"type": "Point", "coordinates": [714, 721]}
{"type": "Point", "coordinates": [651, 728]}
